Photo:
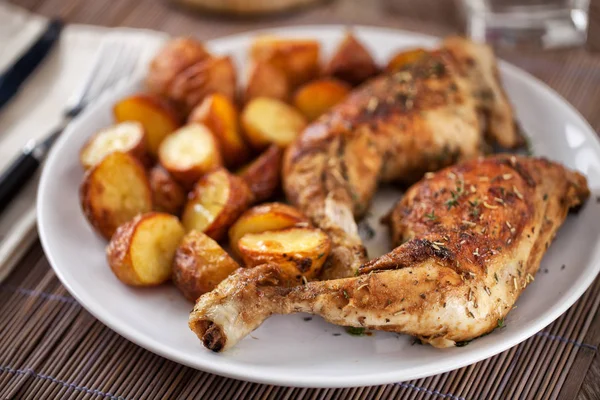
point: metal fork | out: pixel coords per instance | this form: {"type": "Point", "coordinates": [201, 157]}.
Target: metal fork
{"type": "Point", "coordinates": [114, 61]}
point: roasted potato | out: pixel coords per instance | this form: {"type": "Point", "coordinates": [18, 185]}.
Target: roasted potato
{"type": "Point", "coordinates": [216, 202]}
{"type": "Point", "coordinates": [189, 153]}
{"type": "Point", "coordinates": [263, 175]}
{"type": "Point", "coordinates": [404, 58]}
{"type": "Point", "coordinates": [351, 62]}
{"type": "Point", "coordinates": [265, 217]}
{"type": "Point", "coordinates": [167, 195]}
{"type": "Point", "coordinates": [219, 114]}
{"type": "Point", "coordinates": [177, 55]}
{"type": "Point", "coordinates": [126, 137]}
{"type": "Point", "coordinates": [158, 117]}
{"type": "Point", "coordinates": [200, 264]}
{"type": "Point", "coordinates": [141, 251]}
{"type": "Point", "coordinates": [270, 121]}
{"type": "Point", "coordinates": [298, 250]}
{"type": "Point", "coordinates": [318, 96]}
{"type": "Point", "coordinates": [114, 191]}
{"type": "Point", "coordinates": [212, 75]}
{"type": "Point", "coordinates": [266, 80]}
{"type": "Point", "coordinates": [297, 58]}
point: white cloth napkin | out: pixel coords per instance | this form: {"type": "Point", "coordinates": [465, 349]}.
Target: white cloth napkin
{"type": "Point", "coordinates": [38, 107]}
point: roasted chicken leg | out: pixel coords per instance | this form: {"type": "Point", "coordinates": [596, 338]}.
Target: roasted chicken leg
{"type": "Point", "coordinates": [447, 106]}
{"type": "Point", "coordinates": [472, 235]}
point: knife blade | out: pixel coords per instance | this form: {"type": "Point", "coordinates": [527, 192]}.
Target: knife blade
{"type": "Point", "coordinates": [12, 79]}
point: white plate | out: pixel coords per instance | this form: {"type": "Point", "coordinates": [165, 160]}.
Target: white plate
{"type": "Point", "coordinates": [287, 350]}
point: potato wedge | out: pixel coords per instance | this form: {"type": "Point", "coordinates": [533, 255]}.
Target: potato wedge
{"type": "Point", "coordinates": [266, 80]}
{"type": "Point", "coordinates": [114, 191]}
{"type": "Point", "coordinates": [299, 251]}
{"type": "Point", "coordinates": [200, 264]}
{"type": "Point", "coordinates": [265, 217]}
{"type": "Point", "coordinates": [404, 58]}
{"type": "Point", "coordinates": [351, 62]}
{"type": "Point", "coordinates": [189, 153]}
{"type": "Point", "coordinates": [270, 121]}
{"type": "Point", "coordinates": [126, 137]}
{"type": "Point", "coordinates": [212, 75]}
{"type": "Point", "coordinates": [263, 175]}
{"type": "Point", "coordinates": [318, 96]}
{"type": "Point", "coordinates": [177, 55]}
{"type": "Point", "coordinates": [297, 58]}
{"type": "Point", "coordinates": [216, 202]}
{"type": "Point", "coordinates": [158, 117]}
{"type": "Point", "coordinates": [220, 115]}
{"type": "Point", "coordinates": [141, 251]}
{"type": "Point", "coordinates": [167, 195]}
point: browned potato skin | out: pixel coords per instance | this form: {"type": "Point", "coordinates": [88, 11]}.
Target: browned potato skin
{"type": "Point", "coordinates": [167, 195]}
{"type": "Point", "coordinates": [316, 97]}
{"type": "Point", "coordinates": [118, 251]}
{"type": "Point", "coordinates": [263, 175]}
{"type": "Point", "coordinates": [351, 62]}
{"type": "Point", "coordinates": [239, 199]}
{"type": "Point", "coordinates": [266, 80]}
{"type": "Point", "coordinates": [264, 217]}
{"type": "Point", "coordinates": [403, 58]}
{"type": "Point", "coordinates": [200, 264]}
{"type": "Point", "coordinates": [218, 113]}
{"type": "Point", "coordinates": [307, 264]}
{"type": "Point", "coordinates": [297, 58]}
{"type": "Point", "coordinates": [177, 55]}
{"type": "Point", "coordinates": [106, 220]}
{"type": "Point", "coordinates": [211, 75]}
{"type": "Point", "coordinates": [138, 150]}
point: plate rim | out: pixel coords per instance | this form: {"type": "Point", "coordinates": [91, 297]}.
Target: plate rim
{"type": "Point", "coordinates": [250, 372]}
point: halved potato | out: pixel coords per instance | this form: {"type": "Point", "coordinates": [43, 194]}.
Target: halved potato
{"type": "Point", "coordinates": [141, 251]}
{"type": "Point", "coordinates": [158, 117]}
{"type": "Point", "coordinates": [211, 75]}
{"type": "Point", "coordinates": [318, 96]}
{"type": "Point", "coordinates": [299, 251]}
{"type": "Point", "coordinates": [126, 137]}
{"type": "Point", "coordinates": [270, 121]}
{"type": "Point", "coordinates": [218, 113]}
{"type": "Point", "coordinates": [266, 80]}
{"type": "Point", "coordinates": [351, 62]}
{"type": "Point", "coordinates": [200, 264]}
{"type": "Point", "coordinates": [265, 217]}
{"type": "Point", "coordinates": [404, 58]}
{"type": "Point", "coordinates": [297, 58]}
{"type": "Point", "coordinates": [216, 202]}
{"type": "Point", "coordinates": [176, 55]}
{"type": "Point", "coordinates": [263, 175]}
{"type": "Point", "coordinates": [167, 195]}
{"type": "Point", "coordinates": [114, 191]}
{"type": "Point", "coordinates": [189, 153]}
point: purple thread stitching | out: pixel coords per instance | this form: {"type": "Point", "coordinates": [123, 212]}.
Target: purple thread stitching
{"type": "Point", "coordinates": [38, 293]}
{"type": "Point", "coordinates": [428, 391]}
{"type": "Point", "coordinates": [30, 372]}
{"type": "Point", "coordinates": [565, 340]}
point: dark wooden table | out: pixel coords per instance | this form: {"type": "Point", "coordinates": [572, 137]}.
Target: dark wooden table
{"type": "Point", "coordinates": [575, 74]}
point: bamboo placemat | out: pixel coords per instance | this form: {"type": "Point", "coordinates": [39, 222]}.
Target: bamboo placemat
{"type": "Point", "coordinates": [51, 348]}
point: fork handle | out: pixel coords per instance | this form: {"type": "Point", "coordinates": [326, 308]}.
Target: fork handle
{"type": "Point", "coordinates": [16, 176]}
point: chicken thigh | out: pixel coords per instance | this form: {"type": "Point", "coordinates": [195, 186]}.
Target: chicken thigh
{"type": "Point", "coordinates": [445, 107]}
{"type": "Point", "coordinates": [470, 239]}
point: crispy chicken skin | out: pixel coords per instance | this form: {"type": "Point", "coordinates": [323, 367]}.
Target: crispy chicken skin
{"type": "Point", "coordinates": [445, 107]}
{"type": "Point", "coordinates": [471, 238]}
